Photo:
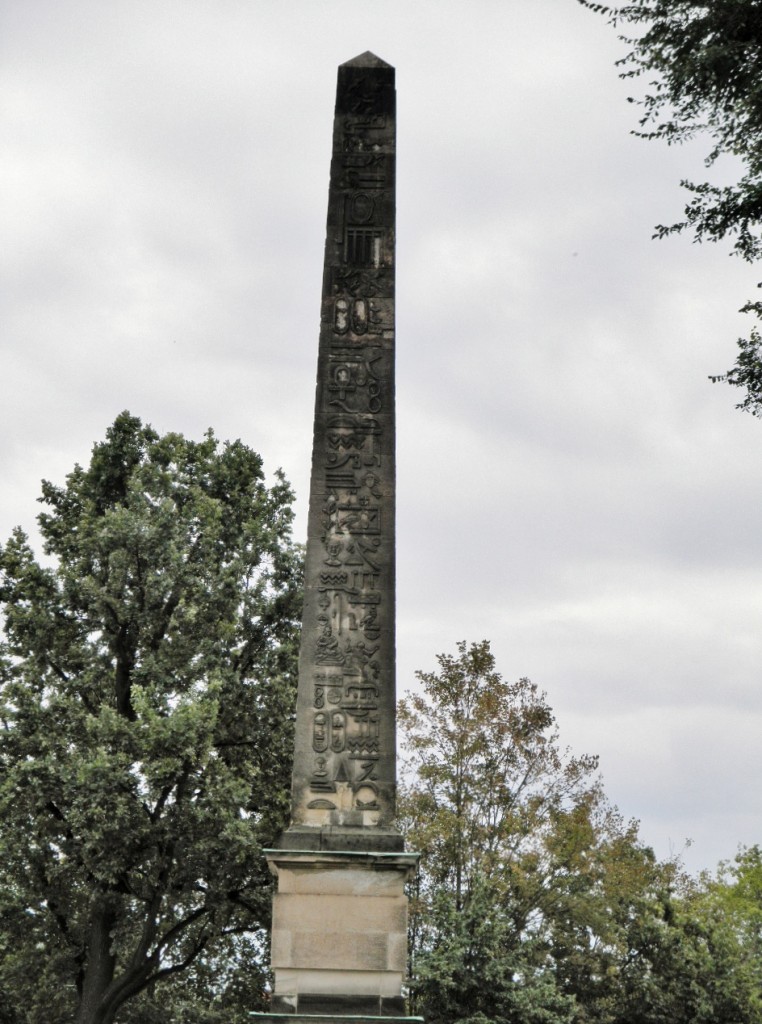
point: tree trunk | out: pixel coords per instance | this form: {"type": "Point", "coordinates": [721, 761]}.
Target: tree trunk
{"type": "Point", "coordinates": [99, 970]}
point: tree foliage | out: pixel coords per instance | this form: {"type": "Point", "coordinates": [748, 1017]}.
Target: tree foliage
{"type": "Point", "coordinates": [500, 814]}
{"type": "Point", "coordinates": [490, 778]}
{"type": "Point", "coordinates": [536, 902]}
{"type": "Point", "coordinates": [704, 67]}
{"type": "Point", "coordinates": [146, 694]}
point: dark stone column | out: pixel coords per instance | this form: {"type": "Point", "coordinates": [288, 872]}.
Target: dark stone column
{"type": "Point", "coordinates": [344, 764]}
{"type": "Point", "coordinates": [339, 916]}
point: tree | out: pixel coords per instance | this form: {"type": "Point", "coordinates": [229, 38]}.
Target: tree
{"type": "Point", "coordinates": [705, 60]}
{"type": "Point", "coordinates": [725, 910]}
{"type": "Point", "coordinates": [475, 968]}
{"type": "Point", "coordinates": [537, 903]}
{"type": "Point", "coordinates": [488, 771]}
{"type": "Point", "coordinates": [146, 696]}
{"type": "Point", "coordinates": [487, 796]}
{"type": "Point", "coordinates": [687, 962]}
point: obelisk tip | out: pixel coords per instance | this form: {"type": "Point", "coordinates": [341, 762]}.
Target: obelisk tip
{"type": "Point", "coordinates": [366, 60]}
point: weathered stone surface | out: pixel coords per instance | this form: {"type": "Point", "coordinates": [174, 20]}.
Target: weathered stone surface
{"type": "Point", "coordinates": [340, 1007]}
{"type": "Point", "coordinates": [344, 765]}
{"type": "Point", "coordinates": [358, 880]}
{"type": "Point", "coordinates": [340, 928]}
{"type": "Point", "coordinates": [339, 918]}
{"type": "Point", "coordinates": [310, 913]}
{"type": "Point", "coordinates": [331, 837]}
{"type": "Point", "coordinates": [299, 1018]}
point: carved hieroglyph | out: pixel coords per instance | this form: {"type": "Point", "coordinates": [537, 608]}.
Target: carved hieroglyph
{"type": "Point", "coordinates": [344, 769]}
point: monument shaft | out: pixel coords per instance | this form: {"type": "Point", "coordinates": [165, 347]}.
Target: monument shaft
{"type": "Point", "coordinates": [344, 766]}
{"type": "Point", "coordinates": [340, 912]}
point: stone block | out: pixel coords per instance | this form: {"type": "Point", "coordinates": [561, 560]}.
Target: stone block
{"type": "Point", "coordinates": [280, 947]}
{"type": "Point", "coordinates": [326, 982]}
{"type": "Point", "coordinates": [334, 913]}
{"type": "Point", "coordinates": [397, 953]}
{"type": "Point", "coordinates": [357, 880]}
{"type": "Point", "coordinates": [347, 930]}
{"type": "Point", "coordinates": [344, 951]}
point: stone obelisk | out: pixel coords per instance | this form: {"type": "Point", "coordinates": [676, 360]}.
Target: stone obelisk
{"type": "Point", "coordinates": [339, 916]}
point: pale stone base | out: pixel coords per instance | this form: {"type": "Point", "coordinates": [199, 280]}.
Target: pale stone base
{"type": "Point", "coordinates": [339, 938]}
{"type": "Point", "coordinates": [327, 1018]}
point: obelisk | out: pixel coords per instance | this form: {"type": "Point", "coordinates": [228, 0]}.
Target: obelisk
{"type": "Point", "coordinates": [339, 916]}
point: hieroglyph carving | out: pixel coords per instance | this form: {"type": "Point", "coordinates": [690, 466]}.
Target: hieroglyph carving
{"type": "Point", "coordinates": [346, 702]}
{"type": "Point", "coordinates": [347, 664]}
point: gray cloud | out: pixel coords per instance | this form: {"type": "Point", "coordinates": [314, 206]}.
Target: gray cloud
{"type": "Point", "coordinates": [570, 485]}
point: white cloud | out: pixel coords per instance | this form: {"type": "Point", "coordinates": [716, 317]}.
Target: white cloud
{"type": "Point", "coordinates": [570, 485]}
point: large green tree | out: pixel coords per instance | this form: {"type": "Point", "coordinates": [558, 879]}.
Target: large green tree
{"type": "Point", "coordinates": [492, 803]}
{"type": "Point", "coordinates": [690, 959]}
{"type": "Point", "coordinates": [703, 65]}
{"type": "Point", "coordinates": [484, 776]}
{"type": "Point", "coordinates": [537, 903]}
{"type": "Point", "coordinates": [146, 695]}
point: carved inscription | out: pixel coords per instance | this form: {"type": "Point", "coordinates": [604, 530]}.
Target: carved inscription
{"type": "Point", "coordinates": [363, 171]}
{"type": "Point", "coordinates": [361, 281]}
{"type": "Point", "coordinates": [347, 655]}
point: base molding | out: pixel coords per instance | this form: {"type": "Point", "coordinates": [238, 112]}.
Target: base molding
{"type": "Point", "coordinates": [348, 1008]}
{"type": "Point", "coordinates": [326, 1018]}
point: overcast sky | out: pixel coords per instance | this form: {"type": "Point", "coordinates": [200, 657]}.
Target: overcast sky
{"type": "Point", "coordinates": [571, 486]}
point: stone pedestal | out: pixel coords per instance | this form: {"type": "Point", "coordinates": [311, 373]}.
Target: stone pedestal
{"type": "Point", "coordinates": [339, 936]}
